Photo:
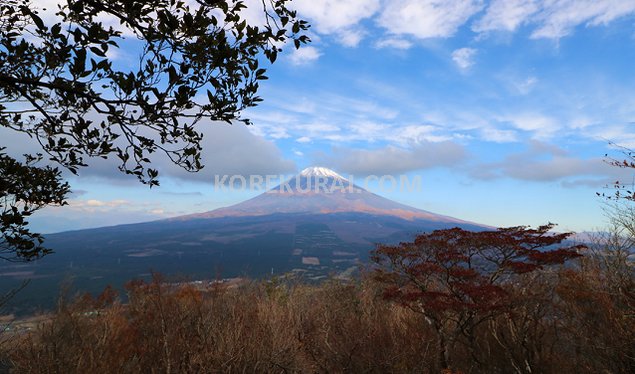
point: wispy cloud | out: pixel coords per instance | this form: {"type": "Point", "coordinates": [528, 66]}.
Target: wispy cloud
{"type": "Point", "coordinates": [538, 125]}
{"type": "Point", "coordinates": [338, 17]}
{"type": "Point", "coordinates": [227, 149]}
{"type": "Point", "coordinates": [558, 19]}
{"type": "Point", "coordinates": [93, 203]}
{"type": "Point", "coordinates": [82, 214]}
{"type": "Point", "coordinates": [396, 43]}
{"type": "Point", "coordinates": [524, 87]}
{"type": "Point", "coordinates": [304, 55]}
{"type": "Point", "coordinates": [351, 37]}
{"type": "Point", "coordinates": [506, 15]}
{"type": "Point", "coordinates": [391, 160]}
{"type": "Point", "coordinates": [425, 19]}
{"type": "Point", "coordinates": [464, 57]}
{"type": "Point", "coordinates": [544, 162]}
{"type": "Point", "coordinates": [551, 19]}
{"type": "Point", "coordinates": [499, 135]}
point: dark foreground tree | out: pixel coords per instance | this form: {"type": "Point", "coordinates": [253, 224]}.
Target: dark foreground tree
{"type": "Point", "coordinates": [24, 189]}
{"type": "Point", "coordinates": [59, 85]}
{"type": "Point", "coordinates": [459, 279]}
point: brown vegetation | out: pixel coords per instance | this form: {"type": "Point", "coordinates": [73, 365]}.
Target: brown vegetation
{"type": "Point", "coordinates": [574, 319]}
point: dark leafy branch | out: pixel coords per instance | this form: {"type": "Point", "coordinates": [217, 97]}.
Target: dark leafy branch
{"type": "Point", "coordinates": [200, 60]}
{"type": "Point", "coordinates": [24, 189]}
{"type": "Point", "coordinates": [197, 62]}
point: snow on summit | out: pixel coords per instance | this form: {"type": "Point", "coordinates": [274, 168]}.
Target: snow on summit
{"type": "Point", "coordinates": [318, 171]}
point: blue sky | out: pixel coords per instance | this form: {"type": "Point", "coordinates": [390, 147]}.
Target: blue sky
{"type": "Point", "coordinates": [503, 108]}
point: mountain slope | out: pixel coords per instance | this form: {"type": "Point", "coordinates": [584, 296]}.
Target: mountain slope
{"type": "Point", "coordinates": [320, 190]}
{"type": "Point", "coordinates": [296, 228]}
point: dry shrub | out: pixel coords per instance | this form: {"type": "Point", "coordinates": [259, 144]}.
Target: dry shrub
{"type": "Point", "coordinates": [257, 327]}
{"type": "Point", "coordinates": [566, 321]}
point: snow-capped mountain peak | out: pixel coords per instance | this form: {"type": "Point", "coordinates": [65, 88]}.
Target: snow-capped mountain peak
{"type": "Point", "coordinates": [318, 171]}
{"type": "Point", "coordinates": [320, 190]}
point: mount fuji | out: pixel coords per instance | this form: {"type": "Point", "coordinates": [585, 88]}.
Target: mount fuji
{"type": "Point", "coordinates": [314, 224]}
{"type": "Point", "coordinates": [318, 190]}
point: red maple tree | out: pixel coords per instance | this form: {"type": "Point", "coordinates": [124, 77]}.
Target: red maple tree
{"type": "Point", "coordinates": [458, 279]}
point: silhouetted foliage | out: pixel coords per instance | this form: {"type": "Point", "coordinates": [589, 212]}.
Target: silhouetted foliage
{"type": "Point", "coordinates": [198, 60]}
{"type": "Point", "coordinates": [24, 189]}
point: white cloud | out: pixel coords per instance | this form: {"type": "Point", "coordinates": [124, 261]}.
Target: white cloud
{"type": "Point", "coordinates": [555, 168]}
{"type": "Point", "coordinates": [395, 43]}
{"type": "Point", "coordinates": [543, 162]}
{"type": "Point", "coordinates": [83, 214]}
{"type": "Point", "coordinates": [534, 123]}
{"type": "Point", "coordinates": [253, 13]}
{"type": "Point", "coordinates": [622, 135]}
{"type": "Point", "coordinates": [227, 149]}
{"type": "Point", "coordinates": [350, 129]}
{"type": "Point", "coordinates": [337, 17]}
{"type": "Point", "coordinates": [318, 127]}
{"type": "Point", "coordinates": [499, 135]}
{"type": "Point", "coordinates": [551, 19]}
{"type": "Point", "coordinates": [351, 37]}
{"type": "Point", "coordinates": [304, 55]}
{"type": "Point", "coordinates": [505, 15]}
{"type": "Point", "coordinates": [391, 160]}
{"type": "Point", "coordinates": [387, 114]}
{"type": "Point", "coordinates": [333, 117]}
{"type": "Point", "coordinates": [427, 18]}
{"type": "Point", "coordinates": [330, 16]}
{"type": "Point", "coordinates": [559, 18]}
{"type": "Point", "coordinates": [464, 57]}
{"type": "Point", "coordinates": [94, 205]}
{"type": "Point", "coordinates": [442, 18]}
{"type": "Point", "coordinates": [525, 87]}
{"type": "Point", "coordinates": [415, 134]}
{"type": "Point", "coordinates": [278, 133]}
{"type": "Point", "coordinates": [234, 150]}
